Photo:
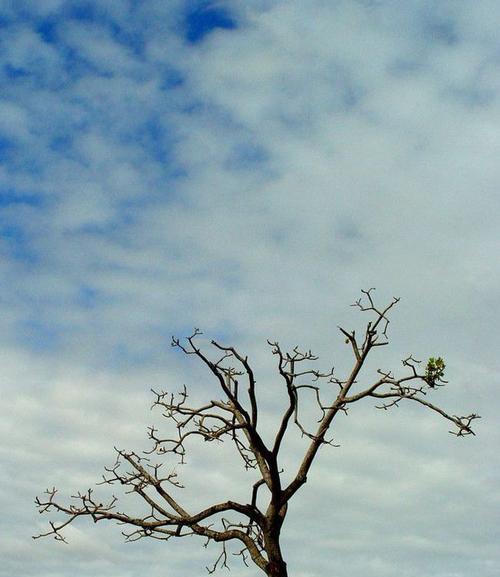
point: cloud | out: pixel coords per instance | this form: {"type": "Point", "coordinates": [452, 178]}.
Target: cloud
{"type": "Point", "coordinates": [247, 168]}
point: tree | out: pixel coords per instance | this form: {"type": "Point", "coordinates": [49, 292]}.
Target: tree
{"type": "Point", "coordinates": [235, 418]}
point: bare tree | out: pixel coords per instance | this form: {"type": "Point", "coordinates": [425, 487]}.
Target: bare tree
{"type": "Point", "coordinates": [235, 417]}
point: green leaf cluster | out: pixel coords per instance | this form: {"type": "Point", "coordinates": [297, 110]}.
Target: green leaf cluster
{"type": "Point", "coordinates": [434, 371]}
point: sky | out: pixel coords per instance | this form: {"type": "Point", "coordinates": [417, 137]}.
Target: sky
{"type": "Point", "coordinates": [247, 167]}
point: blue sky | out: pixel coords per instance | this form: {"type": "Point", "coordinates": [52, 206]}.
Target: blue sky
{"type": "Point", "coordinates": [248, 167]}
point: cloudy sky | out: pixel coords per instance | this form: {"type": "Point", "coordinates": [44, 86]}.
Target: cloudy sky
{"type": "Point", "coordinates": [247, 167]}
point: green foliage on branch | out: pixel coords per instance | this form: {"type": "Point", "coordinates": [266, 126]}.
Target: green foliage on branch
{"type": "Point", "coordinates": [434, 371]}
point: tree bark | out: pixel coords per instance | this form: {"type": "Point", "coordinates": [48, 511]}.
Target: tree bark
{"type": "Point", "coordinates": [276, 566]}
{"type": "Point", "coordinates": [276, 569]}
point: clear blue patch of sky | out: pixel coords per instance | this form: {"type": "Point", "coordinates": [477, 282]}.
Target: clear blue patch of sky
{"type": "Point", "coordinates": [123, 355]}
{"type": "Point", "coordinates": [223, 333]}
{"type": "Point", "coordinates": [247, 156]}
{"type": "Point", "coordinates": [437, 25]}
{"type": "Point", "coordinates": [83, 11]}
{"type": "Point", "coordinates": [76, 66]}
{"type": "Point", "coordinates": [402, 66]}
{"type": "Point", "coordinates": [171, 78]}
{"type": "Point", "coordinates": [205, 17]}
{"type": "Point", "coordinates": [37, 336]}
{"type": "Point", "coordinates": [92, 229]}
{"type": "Point", "coordinates": [87, 297]}
{"type": "Point", "coordinates": [472, 96]}
{"type": "Point", "coordinates": [279, 235]}
{"type": "Point", "coordinates": [19, 159]}
{"type": "Point", "coordinates": [443, 32]}
{"type": "Point", "coordinates": [47, 29]}
{"type": "Point", "coordinates": [6, 147]}
{"type": "Point", "coordinates": [14, 73]}
{"type": "Point", "coordinates": [193, 106]}
{"type": "Point", "coordinates": [133, 40]}
{"type": "Point", "coordinates": [61, 144]}
{"type": "Point", "coordinates": [131, 210]}
{"type": "Point", "coordinates": [12, 197]}
{"type": "Point", "coordinates": [14, 242]}
{"type": "Point", "coordinates": [351, 96]}
{"type": "Point", "coordinates": [178, 173]}
{"type": "Point", "coordinates": [30, 77]}
{"type": "Point", "coordinates": [153, 138]}
{"type": "Point", "coordinates": [346, 229]}
{"type": "Point", "coordinates": [348, 91]}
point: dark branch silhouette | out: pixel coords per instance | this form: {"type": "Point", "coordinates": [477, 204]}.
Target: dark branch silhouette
{"type": "Point", "coordinates": [235, 418]}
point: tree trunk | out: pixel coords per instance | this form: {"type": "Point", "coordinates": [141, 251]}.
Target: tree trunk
{"type": "Point", "coordinates": [276, 569]}
{"type": "Point", "coordinates": [276, 566]}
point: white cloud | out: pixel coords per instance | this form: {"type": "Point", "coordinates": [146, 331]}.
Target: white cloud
{"type": "Point", "coordinates": [311, 152]}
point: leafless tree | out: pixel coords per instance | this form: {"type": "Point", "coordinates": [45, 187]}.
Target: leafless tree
{"type": "Point", "coordinates": [235, 418]}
